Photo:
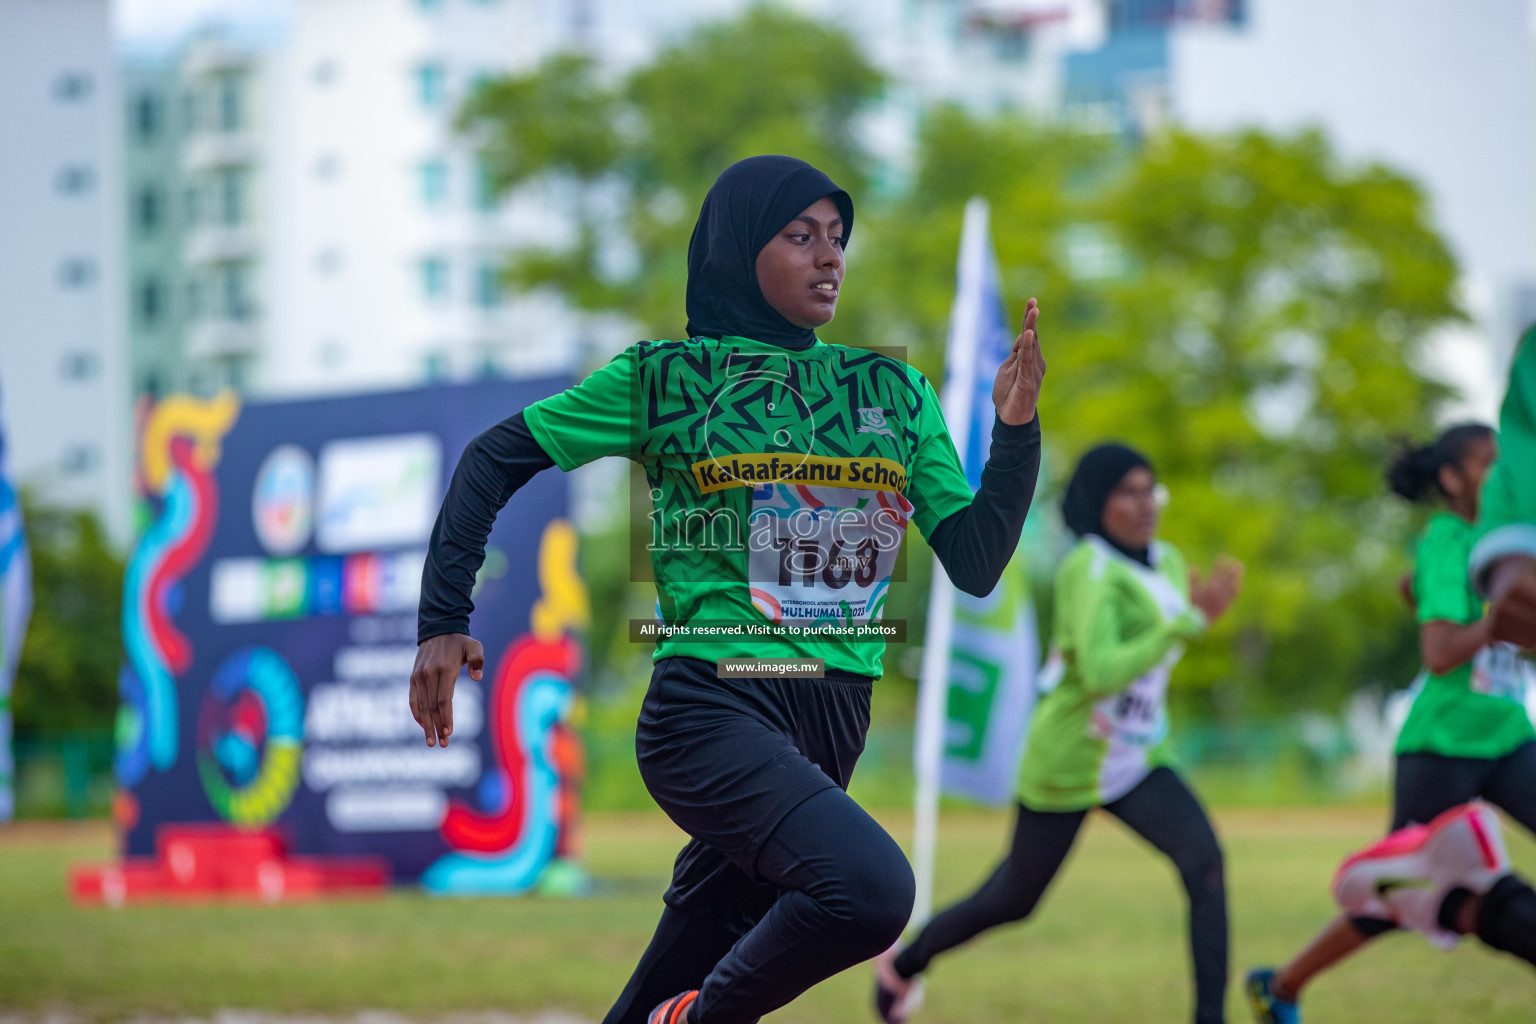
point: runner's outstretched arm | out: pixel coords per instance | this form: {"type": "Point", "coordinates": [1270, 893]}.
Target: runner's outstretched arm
{"type": "Point", "coordinates": [975, 544]}
{"type": "Point", "coordinates": [492, 468]}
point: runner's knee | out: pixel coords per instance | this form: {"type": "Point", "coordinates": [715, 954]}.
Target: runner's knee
{"type": "Point", "coordinates": [854, 873]}
{"type": "Point", "coordinates": [880, 897]}
{"type": "Point", "coordinates": [1011, 895]}
{"type": "Point", "coordinates": [867, 902]}
{"type": "Point", "coordinates": [1202, 868]}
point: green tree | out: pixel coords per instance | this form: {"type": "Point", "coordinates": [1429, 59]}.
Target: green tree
{"type": "Point", "coordinates": [1249, 311]}
{"type": "Point", "coordinates": [901, 263]}
{"type": "Point", "coordinates": [1265, 345]}
{"type": "Point", "coordinates": [67, 677]}
{"type": "Point", "coordinates": [628, 162]}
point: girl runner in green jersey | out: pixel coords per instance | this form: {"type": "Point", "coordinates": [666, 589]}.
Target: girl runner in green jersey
{"type": "Point", "coordinates": [782, 473]}
{"type": "Point", "coordinates": [1468, 734]}
{"type": "Point", "coordinates": [1125, 605]}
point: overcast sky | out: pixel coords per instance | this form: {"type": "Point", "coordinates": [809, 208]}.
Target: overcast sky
{"type": "Point", "coordinates": [150, 22]}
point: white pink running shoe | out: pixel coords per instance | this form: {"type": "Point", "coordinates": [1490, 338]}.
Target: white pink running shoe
{"type": "Point", "coordinates": [1405, 877]}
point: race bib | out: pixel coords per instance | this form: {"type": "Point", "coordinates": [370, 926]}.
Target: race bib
{"type": "Point", "coordinates": [821, 554]}
{"type": "Point", "coordinates": [1131, 723]}
{"type": "Point", "coordinates": [1136, 717]}
{"type": "Point", "coordinates": [1499, 671]}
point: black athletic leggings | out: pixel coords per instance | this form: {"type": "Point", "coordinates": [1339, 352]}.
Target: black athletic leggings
{"type": "Point", "coordinates": [848, 893]}
{"type": "Point", "coordinates": [1427, 785]}
{"type": "Point", "coordinates": [786, 881]}
{"type": "Point", "coordinates": [1163, 811]}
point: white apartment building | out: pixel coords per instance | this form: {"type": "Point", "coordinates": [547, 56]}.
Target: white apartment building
{"type": "Point", "coordinates": [232, 110]}
{"type": "Point", "coordinates": [62, 356]}
{"type": "Point", "coordinates": [386, 267]}
{"type": "Point", "coordinates": [155, 214]}
{"type": "Point", "coordinates": [204, 132]}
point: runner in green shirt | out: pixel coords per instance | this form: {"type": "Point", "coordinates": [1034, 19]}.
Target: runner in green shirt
{"type": "Point", "coordinates": [782, 473]}
{"type": "Point", "coordinates": [1126, 603]}
{"type": "Point", "coordinates": [1467, 734]}
{"type": "Point", "coordinates": [1474, 709]}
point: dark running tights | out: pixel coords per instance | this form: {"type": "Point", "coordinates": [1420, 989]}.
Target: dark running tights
{"type": "Point", "coordinates": [1506, 920]}
{"type": "Point", "coordinates": [1163, 811]}
{"type": "Point", "coordinates": [847, 894]}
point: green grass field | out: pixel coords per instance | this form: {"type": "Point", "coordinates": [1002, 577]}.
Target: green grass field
{"type": "Point", "coordinates": [1106, 946]}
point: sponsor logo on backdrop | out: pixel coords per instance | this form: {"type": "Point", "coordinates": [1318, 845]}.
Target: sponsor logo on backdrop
{"type": "Point", "coordinates": [283, 500]}
{"type": "Point", "coordinates": [378, 492]}
{"type": "Point", "coordinates": [245, 590]}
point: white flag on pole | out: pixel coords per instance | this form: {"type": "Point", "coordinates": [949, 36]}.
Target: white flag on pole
{"type": "Point", "coordinates": [15, 610]}
{"type": "Point", "coordinates": [980, 654]}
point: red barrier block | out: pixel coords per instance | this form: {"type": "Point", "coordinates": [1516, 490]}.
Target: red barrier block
{"type": "Point", "coordinates": [216, 862]}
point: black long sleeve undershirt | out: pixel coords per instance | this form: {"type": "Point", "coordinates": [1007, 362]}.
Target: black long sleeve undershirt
{"type": "Point", "coordinates": [973, 545]}
{"type": "Point", "coordinates": [492, 468]}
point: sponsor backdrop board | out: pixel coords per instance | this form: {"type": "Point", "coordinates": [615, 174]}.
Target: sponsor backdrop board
{"type": "Point", "coordinates": [270, 628]}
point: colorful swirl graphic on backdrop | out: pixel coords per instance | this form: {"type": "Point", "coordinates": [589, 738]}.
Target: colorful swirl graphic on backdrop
{"type": "Point", "coordinates": [179, 451]}
{"type": "Point", "coordinates": [504, 847]}
{"type": "Point", "coordinates": [529, 797]}
{"type": "Point", "coordinates": [250, 737]}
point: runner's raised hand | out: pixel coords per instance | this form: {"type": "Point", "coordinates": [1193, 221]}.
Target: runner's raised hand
{"type": "Point", "coordinates": [1017, 388]}
{"type": "Point", "coordinates": [1214, 594]}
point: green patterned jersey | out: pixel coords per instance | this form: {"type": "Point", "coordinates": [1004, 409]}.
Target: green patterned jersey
{"type": "Point", "coordinates": [1476, 709]}
{"type": "Point", "coordinates": [781, 484]}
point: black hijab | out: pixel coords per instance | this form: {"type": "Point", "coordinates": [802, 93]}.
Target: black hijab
{"type": "Point", "coordinates": [748, 204]}
{"type": "Point", "coordinates": [1099, 472]}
